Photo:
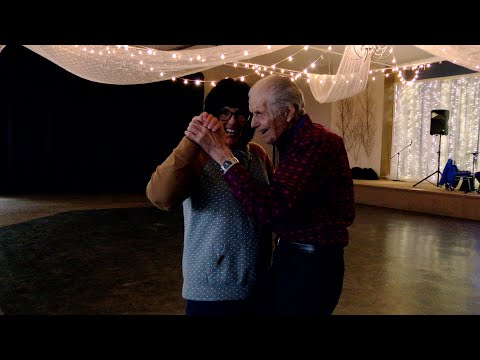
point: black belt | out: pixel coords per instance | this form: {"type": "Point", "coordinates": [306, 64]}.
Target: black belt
{"type": "Point", "coordinates": [308, 248]}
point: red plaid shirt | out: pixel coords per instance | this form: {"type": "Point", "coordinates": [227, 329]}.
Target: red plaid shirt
{"type": "Point", "coordinates": [310, 197]}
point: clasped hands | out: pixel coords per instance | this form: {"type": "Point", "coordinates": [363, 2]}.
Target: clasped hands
{"type": "Point", "coordinates": [208, 132]}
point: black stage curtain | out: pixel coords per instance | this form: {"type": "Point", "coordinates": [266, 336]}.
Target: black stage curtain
{"type": "Point", "coordinates": [62, 133]}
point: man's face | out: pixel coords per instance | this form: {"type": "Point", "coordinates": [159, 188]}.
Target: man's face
{"type": "Point", "coordinates": [269, 127]}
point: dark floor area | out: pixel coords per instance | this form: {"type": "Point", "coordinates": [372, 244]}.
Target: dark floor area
{"type": "Point", "coordinates": [128, 261]}
{"type": "Point", "coordinates": [108, 261]}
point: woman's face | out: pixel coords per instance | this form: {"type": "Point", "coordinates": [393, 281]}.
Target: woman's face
{"type": "Point", "coordinates": [234, 122]}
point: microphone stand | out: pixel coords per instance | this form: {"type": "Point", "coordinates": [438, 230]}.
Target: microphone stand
{"type": "Point", "coordinates": [398, 157]}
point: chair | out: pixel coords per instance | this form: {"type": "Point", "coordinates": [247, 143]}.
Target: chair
{"type": "Point", "coordinates": [451, 176]}
{"type": "Point", "coordinates": [467, 181]}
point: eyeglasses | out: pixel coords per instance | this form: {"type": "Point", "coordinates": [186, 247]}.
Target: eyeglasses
{"type": "Point", "coordinates": [226, 115]}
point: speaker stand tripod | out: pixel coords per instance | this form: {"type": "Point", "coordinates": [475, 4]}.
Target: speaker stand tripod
{"type": "Point", "coordinates": [398, 157]}
{"type": "Point", "coordinates": [438, 167]}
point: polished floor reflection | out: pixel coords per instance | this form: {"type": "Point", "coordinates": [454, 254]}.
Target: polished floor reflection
{"type": "Point", "coordinates": [401, 262]}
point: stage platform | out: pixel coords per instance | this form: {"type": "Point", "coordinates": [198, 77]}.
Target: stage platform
{"type": "Point", "coordinates": [424, 198]}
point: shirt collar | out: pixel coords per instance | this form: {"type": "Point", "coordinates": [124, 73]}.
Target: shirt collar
{"type": "Point", "coordinates": [288, 136]}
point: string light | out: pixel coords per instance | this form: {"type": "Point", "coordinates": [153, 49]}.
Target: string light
{"type": "Point", "coordinates": [261, 70]}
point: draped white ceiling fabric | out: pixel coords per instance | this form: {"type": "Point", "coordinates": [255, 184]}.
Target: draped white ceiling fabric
{"type": "Point", "coordinates": [350, 79]}
{"type": "Point", "coordinates": [128, 65]}
{"type": "Point", "coordinates": [467, 56]}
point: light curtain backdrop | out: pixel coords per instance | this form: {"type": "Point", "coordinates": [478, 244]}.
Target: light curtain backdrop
{"type": "Point", "coordinates": [411, 122]}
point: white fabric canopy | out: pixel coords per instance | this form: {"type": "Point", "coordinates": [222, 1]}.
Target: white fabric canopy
{"type": "Point", "coordinates": [126, 65]}
{"type": "Point", "coordinates": [467, 56]}
{"type": "Point", "coordinates": [350, 79]}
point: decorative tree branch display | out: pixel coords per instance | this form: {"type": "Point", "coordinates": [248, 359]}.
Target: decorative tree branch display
{"type": "Point", "coordinates": [347, 124]}
{"type": "Point", "coordinates": [356, 122]}
{"type": "Point", "coordinates": [366, 116]}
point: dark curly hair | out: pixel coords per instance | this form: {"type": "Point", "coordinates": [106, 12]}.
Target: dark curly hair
{"type": "Point", "coordinates": [234, 94]}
